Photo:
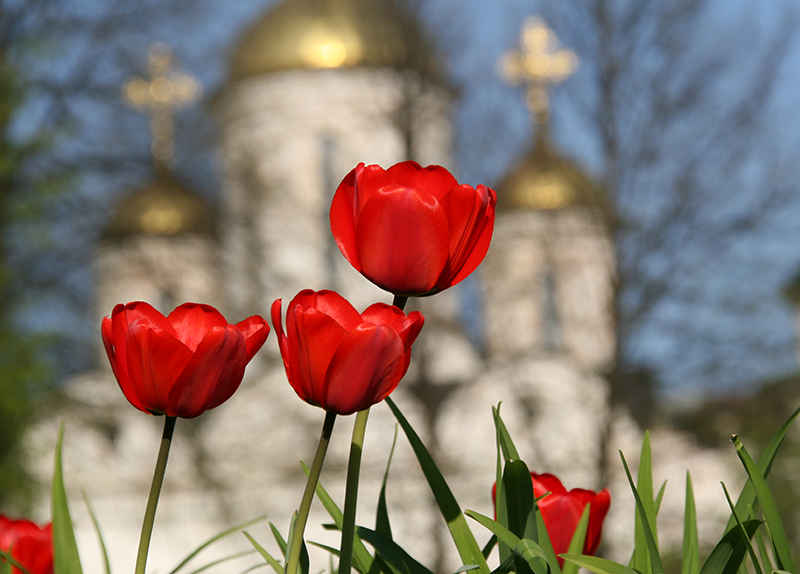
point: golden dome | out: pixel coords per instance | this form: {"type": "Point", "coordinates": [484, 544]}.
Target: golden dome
{"type": "Point", "coordinates": [316, 34]}
{"type": "Point", "coordinates": [163, 207]}
{"type": "Point", "coordinates": [546, 180]}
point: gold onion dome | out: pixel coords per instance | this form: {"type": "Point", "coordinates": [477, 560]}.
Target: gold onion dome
{"type": "Point", "coordinates": [163, 207]}
{"type": "Point", "coordinates": [544, 179]}
{"type": "Point", "coordinates": [318, 34]}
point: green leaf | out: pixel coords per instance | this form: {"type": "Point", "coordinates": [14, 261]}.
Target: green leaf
{"type": "Point", "coordinates": [746, 504]}
{"type": "Point", "coordinates": [598, 565]}
{"type": "Point", "coordinates": [221, 561]}
{"type": "Point", "coordinates": [578, 541]}
{"type": "Point", "coordinates": [382, 514]}
{"type": "Point", "coordinates": [503, 437]}
{"type": "Point", "coordinates": [102, 542]}
{"type": "Point", "coordinates": [66, 559]}
{"type": "Point", "coordinates": [526, 550]}
{"type": "Point", "coordinates": [519, 500]}
{"type": "Point", "coordinates": [780, 543]}
{"type": "Point", "coordinates": [464, 540]}
{"type": "Point", "coordinates": [546, 545]}
{"type": "Point", "coordinates": [690, 561]}
{"type": "Point", "coordinates": [649, 555]}
{"type": "Point", "coordinates": [362, 559]}
{"type": "Point", "coordinates": [215, 538]}
{"type": "Point", "coordinates": [303, 562]}
{"type": "Point", "coordinates": [730, 550]}
{"type": "Point", "coordinates": [276, 534]}
{"type": "Point", "coordinates": [8, 562]}
{"type": "Point", "coordinates": [276, 566]}
{"type": "Point", "coordinates": [745, 537]}
{"type": "Point", "coordinates": [762, 550]}
{"type": "Point", "coordinates": [391, 553]}
{"type": "Point", "coordinates": [644, 488]}
{"type": "Point", "coordinates": [489, 546]}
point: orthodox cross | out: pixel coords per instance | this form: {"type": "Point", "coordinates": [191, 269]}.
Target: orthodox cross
{"type": "Point", "coordinates": [166, 91]}
{"type": "Point", "coordinates": [538, 64]}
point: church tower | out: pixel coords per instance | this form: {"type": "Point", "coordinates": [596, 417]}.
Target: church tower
{"type": "Point", "coordinates": [317, 86]}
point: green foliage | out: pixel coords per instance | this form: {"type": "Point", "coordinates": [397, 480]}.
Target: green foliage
{"type": "Point", "coordinates": [65, 550]}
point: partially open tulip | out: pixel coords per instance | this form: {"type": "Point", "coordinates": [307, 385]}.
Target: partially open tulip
{"type": "Point", "coordinates": [409, 229]}
{"type": "Point", "coordinates": [183, 364]}
{"type": "Point", "coordinates": [562, 510]}
{"type": "Point", "coordinates": [339, 359]}
{"type": "Point", "coordinates": [28, 544]}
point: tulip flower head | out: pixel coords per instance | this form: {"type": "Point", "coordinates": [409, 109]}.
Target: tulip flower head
{"type": "Point", "coordinates": [339, 359]}
{"type": "Point", "coordinates": [28, 544]}
{"type": "Point", "coordinates": [409, 229]}
{"type": "Point", "coordinates": [183, 364]}
{"type": "Point", "coordinates": [562, 510]}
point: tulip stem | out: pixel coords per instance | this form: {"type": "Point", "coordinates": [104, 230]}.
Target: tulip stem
{"type": "Point", "coordinates": [399, 302]}
{"type": "Point", "coordinates": [296, 544]}
{"type": "Point", "coordinates": [155, 491]}
{"type": "Point", "coordinates": [351, 492]}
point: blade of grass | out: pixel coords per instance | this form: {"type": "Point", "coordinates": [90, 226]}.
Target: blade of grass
{"type": "Point", "coordinates": [780, 542]}
{"type": "Point", "coordinates": [690, 557]}
{"type": "Point", "coordinates": [382, 524]}
{"type": "Point", "coordinates": [650, 554]}
{"type": "Point", "coordinates": [221, 561]}
{"type": "Point", "coordinates": [727, 555]}
{"type": "Point", "coordinates": [762, 550]}
{"type": "Point", "coordinates": [598, 565]}
{"type": "Point", "coordinates": [276, 534]}
{"type": "Point", "coordinates": [276, 566]}
{"type": "Point", "coordinates": [66, 559]}
{"type": "Point", "coordinates": [527, 550]}
{"type": "Point", "coordinates": [101, 541]}
{"type": "Point", "coordinates": [746, 538]}
{"type": "Point", "coordinates": [578, 541]}
{"type": "Point", "coordinates": [391, 553]}
{"type": "Point", "coordinates": [215, 538]}
{"type": "Point", "coordinates": [504, 438]}
{"type": "Point", "coordinates": [362, 559]}
{"type": "Point", "coordinates": [746, 504]}
{"type": "Point", "coordinates": [464, 540]}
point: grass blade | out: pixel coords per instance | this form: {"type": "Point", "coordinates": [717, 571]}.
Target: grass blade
{"type": "Point", "coordinates": [215, 538]}
{"type": "Point", "coordinates": [391, 553]}
{"type": "Point", "coordinates": [690, 561]}
{"type": "Point", "coordinates": [382, 514]}
{"type": "Point", "coordinates": [649, 555]}
{"type": "Point", "coordinates": [362, 559]}
{"type": "Point", "coordinates": [729, 552]}
{"type": "Point", "coordinates": [578, 541]}
{"type": "Point", "coordinates": [66, 559]}
{"type": "Point", "coordinates": [746, 538]}
{"type": "Point", "coordinates": [464, 540]}
{"type": "Point", "coordinates": [276, 566]}
{"type": "Point", "coordinates": [598, 565]}
{"type": "Point", "coordinates": [102, 542]}
{"type": "Point", "coordinates": [503, 437]}
{"type": "Point", "coordinates": [780, 542]}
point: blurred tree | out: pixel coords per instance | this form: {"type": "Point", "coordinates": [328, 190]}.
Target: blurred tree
{"type": "Point", "coordinates": [23, 370]}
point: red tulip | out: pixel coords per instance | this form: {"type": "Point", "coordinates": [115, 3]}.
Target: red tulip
{"type": "Point", "coordinates": [180, 365]}
{"type": "Point", "coordinates": [28, 544]}
{"type": "Point", "coordinates": [341, 360]}
{"type": "Point", "coordinates": [562, 510]}
{"type": "Point", "coordinates": [411, 230]}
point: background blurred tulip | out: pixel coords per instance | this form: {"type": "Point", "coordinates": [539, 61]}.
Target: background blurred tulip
{"type": "Point", "coordinates": [562, 509]}
{"type": "Point", "coordinates": [339, 359]}
{"type": "Point", "coordinates": [29, 544]}
{"type": "Point", "coordinates": [180, 365]}
{"type": "Point", "coordinates": [409, 229]}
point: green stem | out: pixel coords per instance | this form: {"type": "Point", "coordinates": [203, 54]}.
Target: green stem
{"type": "Point", "coordinates": [155, 491]}
{"type": "Point", "coordinates": [400, 302]}
{"type": "Point", "coordinates": [351, 492]}
{"type": "Point", "coordinates": [293, 557]}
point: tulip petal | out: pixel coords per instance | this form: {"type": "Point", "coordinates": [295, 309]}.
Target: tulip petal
{"type": "Point", "coordinates": [365, 369]}
{"type": "Point", "coordinates": [470, 217]}
{"type": "Point", "coordinates": [402, 240]}
{"type": "Point", "coordinates": [348, 201]}
{"type": "Point", "coordinates": [407, 326]}
{"type": "Point", "coordinates": [329, 303]}
{"type": "Point", "coordinates": [255, 330]}
{"type": "Point", "coordinates": [434, 179]}
{"type": "Point", "coordinates": [212, 375]}
{"type": "Point", "coordinates": [155, 359]}
{"type": "Point", "coordinates": [192, 321]}
{"type": "Point", "coordinates": [313, 338]}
